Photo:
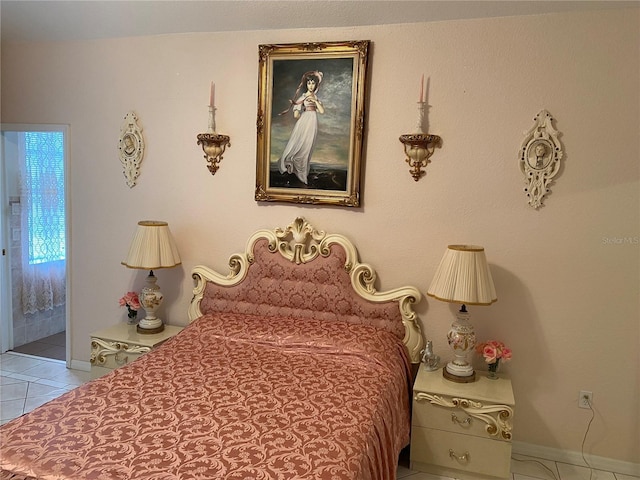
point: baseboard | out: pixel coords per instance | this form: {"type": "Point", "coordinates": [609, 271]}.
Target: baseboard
{"type": "Point", "coordinates": [80, 365]}
{"type": "Point", "coordinates": [575, 458]}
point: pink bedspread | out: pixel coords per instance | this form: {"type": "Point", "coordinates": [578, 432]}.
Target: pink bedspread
{"type": "Point", "coordinates": [231, 397]}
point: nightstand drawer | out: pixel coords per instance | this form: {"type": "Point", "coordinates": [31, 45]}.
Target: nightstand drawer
{"type": "Point", "coordinates": [110, 354]}
{"type": "Point", "coordinates": [118, 359]}
{"type": "Point", "coordinates": [462, 415]}
{"type": "Point", "coordinates": [460, 452]}
{"type": "Point", "coordinates": [121, 344]}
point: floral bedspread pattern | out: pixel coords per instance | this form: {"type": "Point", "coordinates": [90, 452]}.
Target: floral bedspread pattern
{"type": "Point", "coordinates": [231, 397]}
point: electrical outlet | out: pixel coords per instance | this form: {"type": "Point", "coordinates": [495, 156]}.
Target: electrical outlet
{"type": "Point", "coordinates": [586, 399]}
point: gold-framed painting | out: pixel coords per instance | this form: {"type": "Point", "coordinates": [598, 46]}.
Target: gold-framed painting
{"type": "Point", "coordinates": [310, 125]}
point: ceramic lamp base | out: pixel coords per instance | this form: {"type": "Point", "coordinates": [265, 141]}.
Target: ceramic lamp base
{"type": "Point", "coordinates": [458, 379]}
{"type": "Point", "coordinates": [148, 331]}
{"type": "Point", "coordinates": [462, 340]}
{"type": "Point", "coordinates": [150, 299]}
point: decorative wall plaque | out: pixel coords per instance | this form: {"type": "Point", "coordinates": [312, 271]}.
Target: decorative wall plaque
{"type": "Point", "coordinates": [131, 148]}
{"type": "Point", "coordinates": [540, 157]}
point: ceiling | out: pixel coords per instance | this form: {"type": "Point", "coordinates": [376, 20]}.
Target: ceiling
{"type": "Point", "coordinates": [62, 20]}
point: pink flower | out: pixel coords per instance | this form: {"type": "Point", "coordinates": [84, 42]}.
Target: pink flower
{"type": "Point", "coordinates": [490, 353]}
{"type": "Point", "coordinates": [130, 300]}
{"type": "Point", "coordinates": [493, 350]}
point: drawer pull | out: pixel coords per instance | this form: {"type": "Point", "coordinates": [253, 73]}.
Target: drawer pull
{"type": "Point", "coordinates": [460, 458]}
{"type": "Point", "coordinates": [121, 360]}
{"type": "Point", "coordinates": [465, 422]}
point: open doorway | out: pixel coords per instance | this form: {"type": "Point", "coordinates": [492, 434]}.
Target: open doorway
{"type": "Point", "coordinates": [34, 313]}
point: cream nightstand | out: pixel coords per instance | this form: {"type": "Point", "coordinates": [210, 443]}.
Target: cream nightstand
{"type": "Point", "coordinates": [116, 346]}
{"type": "Point", "coordinates": [461, 430]}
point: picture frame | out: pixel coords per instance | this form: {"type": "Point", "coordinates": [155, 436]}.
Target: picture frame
{"type": "Point", "coordinates": [311, 122]}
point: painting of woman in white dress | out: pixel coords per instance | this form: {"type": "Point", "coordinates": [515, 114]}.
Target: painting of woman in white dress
{"type": "Point", "coordinates": [310, 122]}
{"type": "Point", "coordinates": [296, 157]}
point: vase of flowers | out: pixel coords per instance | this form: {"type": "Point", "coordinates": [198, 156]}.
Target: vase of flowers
{"type": "Point", "coordinates": [493, 352]}
{"type": "Point", "coordinates": [132, 302]}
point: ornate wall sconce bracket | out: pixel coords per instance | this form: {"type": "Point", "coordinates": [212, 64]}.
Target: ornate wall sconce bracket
{"type": "Point", "coordinates": [213, 146]}
{"type": "Point", "coordinates": [418, 147]}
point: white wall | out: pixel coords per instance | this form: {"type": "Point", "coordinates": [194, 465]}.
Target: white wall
{"type": "Point", "coordinates": [568, 291]}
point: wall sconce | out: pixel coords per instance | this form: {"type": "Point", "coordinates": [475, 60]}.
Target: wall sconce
{"type": "Point", "coordinates": [213, 144]}
{"type": "Point", "coordinates": [419, 146]}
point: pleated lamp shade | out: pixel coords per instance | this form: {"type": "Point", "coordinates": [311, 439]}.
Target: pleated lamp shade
{"type": "Point", "coordinates": [152, 247]}
{"type": "Point", "coordinates": [463, 277]}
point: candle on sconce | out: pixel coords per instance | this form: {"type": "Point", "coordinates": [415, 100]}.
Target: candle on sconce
{"type": "Point", "coordinates": [212, 109]}
{"type": "Point", "coordinates": [420, 145]}
{"type": "Point", "coordinates": [420, 124]}
{"type": "Point", "coordinates": [212, 95]}
{"type": "Point", "coordinates": [426, 92]}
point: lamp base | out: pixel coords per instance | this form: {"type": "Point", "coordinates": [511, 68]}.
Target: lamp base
{"type": "Point", "coordinates": [462, 340]}
{"type": "Point", "coordinates": [455, 378]}
{"type": "Point", "coordinates": [150, 299]}
{"type": "Point", "coordinates": [148, 331]}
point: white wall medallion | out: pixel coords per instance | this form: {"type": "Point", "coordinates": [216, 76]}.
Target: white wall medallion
{"type": "Point", "coordinates": [131, 148]}
{"type": "Point", "coordinates": [540, 157]}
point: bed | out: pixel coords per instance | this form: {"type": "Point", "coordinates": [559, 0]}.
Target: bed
{"type": "Point", "coordinates": [293, 366]}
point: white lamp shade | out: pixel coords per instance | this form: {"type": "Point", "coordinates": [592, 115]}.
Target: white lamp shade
{"type": "Point", "coordinates": [463, 276]}
{"type": "Point", "coordinates": [152, 247]}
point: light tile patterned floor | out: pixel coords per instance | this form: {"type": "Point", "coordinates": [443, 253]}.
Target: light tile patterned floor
{"type": "Point", "coordinates": [27, 382]}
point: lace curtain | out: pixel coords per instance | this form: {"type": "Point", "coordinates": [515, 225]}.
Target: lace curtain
{"type": "Point", "coordinates": [43, 220]}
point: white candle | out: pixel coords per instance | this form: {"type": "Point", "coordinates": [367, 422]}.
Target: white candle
{"type": "Point", "coordinates": [212, 95]}
{"type": "Point", "coordinates": [426, 92]}
{"type": "Point", "coordinates": [422, 89]}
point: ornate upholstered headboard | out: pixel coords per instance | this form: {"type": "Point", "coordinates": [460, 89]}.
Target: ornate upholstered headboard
{"type": "Point", "coordinates": [302, 272]}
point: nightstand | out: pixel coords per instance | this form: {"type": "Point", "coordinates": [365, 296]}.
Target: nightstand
{"type": "Point", "coordinates": [116, 346]}
{"type": "Point", "coordinates": [461, 430]}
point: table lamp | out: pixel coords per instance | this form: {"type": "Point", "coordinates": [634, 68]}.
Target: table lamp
{"type": "Point", "coordinates": [152, 248]}
{"type": "Point", "coordinates": [463, 277]}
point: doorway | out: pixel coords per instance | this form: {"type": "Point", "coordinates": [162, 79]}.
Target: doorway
{"type": "Point", "coordinates": [34, 315]}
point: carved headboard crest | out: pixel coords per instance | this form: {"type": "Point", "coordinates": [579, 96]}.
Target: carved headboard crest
{"type": "Point", "coordinates": [304, 244]}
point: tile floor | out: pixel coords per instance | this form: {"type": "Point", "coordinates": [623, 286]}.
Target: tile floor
{"type": "Point", "coordinates": [27, 382]}
{"type": "Point", "coordinates": [53, 347]}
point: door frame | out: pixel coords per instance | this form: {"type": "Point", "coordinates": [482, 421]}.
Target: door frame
{"type": "Point", "coordinates": [6, 311]}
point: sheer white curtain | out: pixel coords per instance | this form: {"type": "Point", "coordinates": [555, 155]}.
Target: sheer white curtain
{"type": "Point", "coordinates": [43, 220]}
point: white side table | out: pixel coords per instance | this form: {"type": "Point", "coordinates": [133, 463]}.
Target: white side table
{"type": "Point", "coordinates": [120, 344]}
{"type": "Point", "coordinates": [462, 430]}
